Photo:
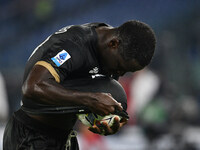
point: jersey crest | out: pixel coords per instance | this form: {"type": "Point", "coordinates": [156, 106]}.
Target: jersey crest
{"type": "Point", "coordinates": [60, 58]}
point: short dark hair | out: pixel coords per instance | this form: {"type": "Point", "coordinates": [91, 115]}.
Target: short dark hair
{"type": "Point", "coordinates": [137, 41]}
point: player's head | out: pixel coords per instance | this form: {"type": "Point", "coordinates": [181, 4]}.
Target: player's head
{"type": "Point", "coordinates": [130, 47]}
{"type": "Point", "coordinates": [137, 41]}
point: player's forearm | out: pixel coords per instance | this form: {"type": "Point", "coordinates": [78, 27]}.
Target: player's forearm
{"type": "Point", "coordinates": [51, 92]}
{"type": "Point", "coordinates": [41, 86]}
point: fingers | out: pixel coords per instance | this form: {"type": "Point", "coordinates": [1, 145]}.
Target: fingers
{"type": "Point", "coordinates": [105, 104]}
{"type": "Point", "coordinates": [102, 129]}
{"type": "Point", "coordinates": [105, 129]}
{"type": "Point", "coordinates": [95, 129]}
{"type": "Point", "coordinates": [119, 107]}
{"type": "Point", "coordinates": [116, 125]}
{"type": "Point", "coordinates": [123, 122]}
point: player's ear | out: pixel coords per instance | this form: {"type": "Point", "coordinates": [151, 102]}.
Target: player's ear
{"type": "Point", "coordinates": [113, 43]}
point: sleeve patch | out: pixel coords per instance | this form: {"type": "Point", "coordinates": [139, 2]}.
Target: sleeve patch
{"type": "Point", "coordinates": [50, 68]}
{"type": "Point", "coordinates": [60, 58]}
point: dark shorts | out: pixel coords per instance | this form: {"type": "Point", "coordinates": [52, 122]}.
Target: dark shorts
{"type": "Point", "coordinates": [24, 133]}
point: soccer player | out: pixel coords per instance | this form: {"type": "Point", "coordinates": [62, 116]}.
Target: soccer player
{"type": "Point", "coordinates": [79, 51]}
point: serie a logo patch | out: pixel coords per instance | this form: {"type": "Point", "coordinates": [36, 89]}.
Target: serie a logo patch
{"type": "Point", "coordinates": [60, 58]}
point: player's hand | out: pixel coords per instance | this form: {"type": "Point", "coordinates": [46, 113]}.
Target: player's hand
{"type": "Point", "coordinates": [104, 104]}
{"type": "Point", "coordinates": [105, 129]}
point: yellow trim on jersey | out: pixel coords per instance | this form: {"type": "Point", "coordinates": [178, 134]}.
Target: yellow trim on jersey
{"type": "Point", "coordinates": [49, 67]}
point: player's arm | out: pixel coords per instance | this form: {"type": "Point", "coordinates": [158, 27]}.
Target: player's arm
{"type": "Point", "coordinates": [42, 85]}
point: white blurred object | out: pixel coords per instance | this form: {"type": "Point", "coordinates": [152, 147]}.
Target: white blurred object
{"type": "Point", "coordinates": [132, 138]}
{"type": "Point", "coordinates": [3, 100]}
{"type": "Point", "coordinates": [191, 135]}
{"type": "Point", "coordinates": [1, 136]}
{"type": "Point", "coordinates": [3, 109]}
{"type": "Point", "coordinates": [144, 86]}
{"type": "Point", "coordinates": [165, 142]}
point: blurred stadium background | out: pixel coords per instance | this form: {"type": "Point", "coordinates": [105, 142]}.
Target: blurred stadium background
{"type": "Point", "coordinates": [164, 99]}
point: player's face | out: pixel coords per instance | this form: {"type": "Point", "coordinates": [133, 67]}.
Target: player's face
{"type": "Point", "coordinates": [118, 66]}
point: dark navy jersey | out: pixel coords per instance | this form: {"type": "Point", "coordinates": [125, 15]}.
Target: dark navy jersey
{"type": "Point", "coordinates": [69, 53]}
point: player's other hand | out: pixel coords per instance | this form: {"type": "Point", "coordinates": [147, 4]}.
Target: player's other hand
{"type": "Point", "coordinates": [103, 104]}
{"type": "Point", "coordinates": [105, 129]}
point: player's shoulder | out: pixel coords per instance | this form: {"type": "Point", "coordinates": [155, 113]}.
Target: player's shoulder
{"type": "Point", "coordinates": [95, 24]}
{"type": "Point", "coordinates": [71, 28]}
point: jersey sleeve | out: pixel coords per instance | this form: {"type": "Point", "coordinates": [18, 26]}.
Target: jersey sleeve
{"type": "Point", "coordinates": [64, 60]}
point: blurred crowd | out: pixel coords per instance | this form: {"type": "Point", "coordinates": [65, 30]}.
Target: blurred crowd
{"type": "Point", "coordinates": [163, 99]}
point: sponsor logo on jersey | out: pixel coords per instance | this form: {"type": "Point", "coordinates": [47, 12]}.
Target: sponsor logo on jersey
{"type": "Point", "coordinates": [97, 75]}
{"type": "Point", "coordinates": [94, 73]}
{"type": "Point", "coordinates": [94, 70]}
{"type": "Point", "coordinates": [60, 58]}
